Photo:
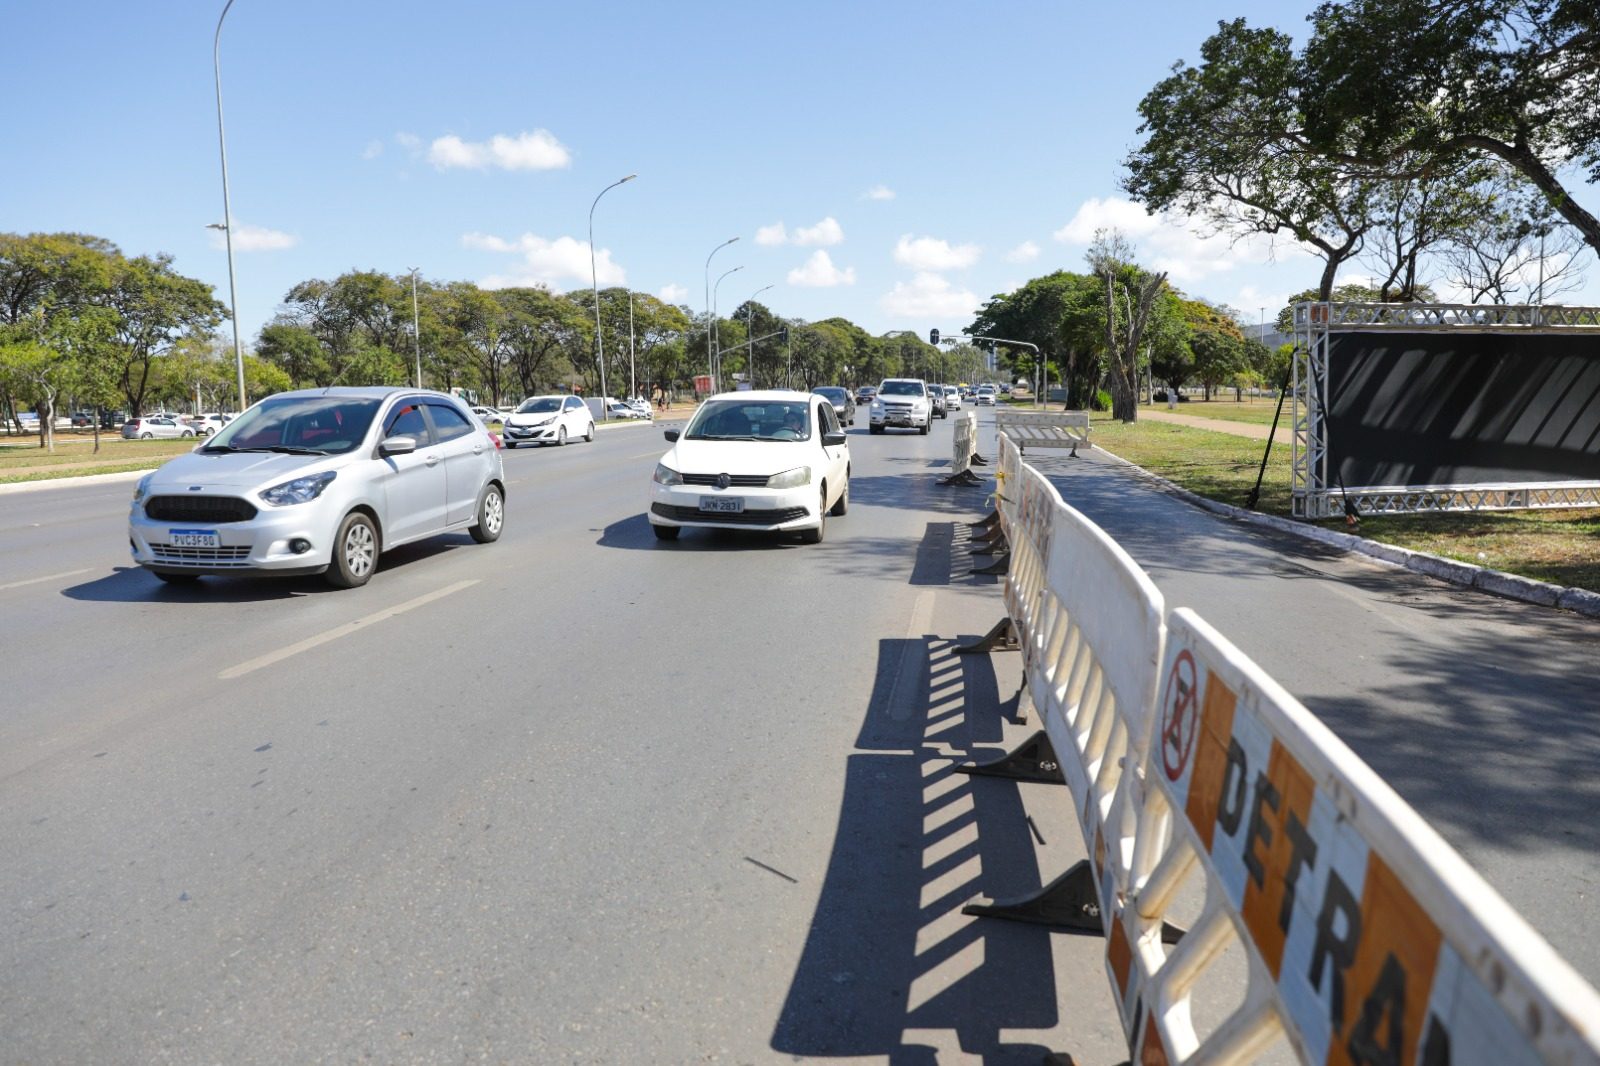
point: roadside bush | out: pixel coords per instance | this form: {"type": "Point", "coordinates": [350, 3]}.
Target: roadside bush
{"type": "Point", "coordinates": [1101, 401]}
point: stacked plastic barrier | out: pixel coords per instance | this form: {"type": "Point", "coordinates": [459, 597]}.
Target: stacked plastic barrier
{"type": "Point", "coordinates": [1366, 938]}
{"type": "Point", "coordinates": [965, 439]}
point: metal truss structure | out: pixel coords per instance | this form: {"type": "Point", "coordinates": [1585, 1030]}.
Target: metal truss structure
{"type": "Point", "coordinates": [1315, 495]}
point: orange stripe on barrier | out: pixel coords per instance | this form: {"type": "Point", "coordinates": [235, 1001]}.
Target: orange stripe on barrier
{"type": "Point", "coordinates": [1211, 757]}
{"type": "Point", "coordinates": [1120, 955]}
{"type": "Point", "coordinates": [1152, 1052]}
{"type": "Point", "coordinates": [1386, 988]}
{"type": "Point", "coordinates": [1279, 852]}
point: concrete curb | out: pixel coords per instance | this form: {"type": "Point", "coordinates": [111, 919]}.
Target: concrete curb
{"type": "Point", "coordinates": [84, 479]}
{"type": "Point", "coordinates": [1496, 582]}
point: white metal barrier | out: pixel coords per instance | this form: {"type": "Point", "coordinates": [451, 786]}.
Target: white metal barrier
{"type": "Point", "coordinates": [965, 443]}
{"type": "Point", "coordinates": [1043, 429]}
{"type": "Point", "coordinates": [1367, 938]}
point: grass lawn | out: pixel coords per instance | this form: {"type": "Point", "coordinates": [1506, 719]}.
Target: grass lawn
{"type": "Point", "coordinates": [74, 457]}
{"type": "Point", "coordinates": [1561, 547]}
{"type": "Point", "coordinates": [1257, 412]}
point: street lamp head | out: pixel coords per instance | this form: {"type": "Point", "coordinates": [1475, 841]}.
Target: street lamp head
{"type": "Point", "coordinates": [630, 177]}
{"type": "Point", "coordinates": [217, 225]}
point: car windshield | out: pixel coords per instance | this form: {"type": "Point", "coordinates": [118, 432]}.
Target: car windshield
{"type": "Point", "coordinates": [772, 420]}
{"type": "Point", "coordinates": [324, 425]}
{"type": "Point", "coordinates": [836, 395]}
{"type": "Point", "coordinates": [540, 405]}
{"type": "Point", "coordinates": [900, 388]}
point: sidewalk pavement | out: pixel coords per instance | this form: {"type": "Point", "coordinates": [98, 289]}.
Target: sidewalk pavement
{"type": "Point", "coordinates": [1219, 425]}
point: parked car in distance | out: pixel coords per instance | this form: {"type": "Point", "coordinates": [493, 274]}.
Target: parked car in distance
{"type": "Point", "coordinates": [902, 402]}
{"type": "Point", "coordinates": [151, 427]}
{"type": "Point", "coordinates": [205, 425]}
{"type": "Point", "coordinates": [952, 398]}
{"type": "Point", "coordinates": [844, 405]}
{"type": "Point", "coordinates": [488, 414]}
{"type": "Point", "coordinates": [548, 420]}
{"type": "Point", "coordinates": [320, 481]}
{"type": "Point", "coordinates": [985, 397]}
{"type": "Point", "coordinates": [762, 459]}
{"type": "Point", "coordinates": [641, 408]}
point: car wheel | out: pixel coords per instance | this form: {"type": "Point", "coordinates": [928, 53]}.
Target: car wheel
{"type": "Point", "coordinates": [874, 429]}
{"type": "Point", "coordinates": [355, 552]}
{"type": "Point", "coordinates": [511, 444]}
{"type": "Point", "coordinates": [176, 579]}
{"type": "Point", "coordinates": [666, 532]}
{"type": "Point", "coordinates": [842, 504]}
{"type": "Point", "coordinates": [146, 436]}
{"type": "Point", "coordinates": [925, 427]}
{"type": "Point", "coordinates": [588, 437]}
{"type": "Point", "coordinates": [814, 536]}
{"type": "Point", "coordinates": [561, 436]}
{"type": "Point", "coordinates": [491, 515]}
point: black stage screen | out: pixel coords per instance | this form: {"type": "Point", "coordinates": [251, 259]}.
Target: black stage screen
{"type": "Point", "coordinates": [1463, 409]}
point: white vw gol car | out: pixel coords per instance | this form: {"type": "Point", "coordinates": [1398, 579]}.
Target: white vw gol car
{"type": "Point", "coordinates": [754, 460]}
{"type": "Point", "coordinates": [320, 481]}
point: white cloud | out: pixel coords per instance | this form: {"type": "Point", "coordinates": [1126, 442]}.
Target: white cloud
{"type": "Point", "coordinates": [929, 254]}
{"type": "Point", "coordinates": [929, 296]}
{"type": "Point", "coordinates": [826, 233]}
{"type": "Point", "coordinates": [818, 272]}
{"type": "Point", "coordinates": [1171, 243]}
{"type": "Point", "coordinates": [772, 235]}
{"type": "Point", "coordinates": [409, 141]}
{"type": "Point", "coordinates": [248, 238]}
{"type": "Point", "coordinates": [538, 150]}
{"type": "Point", "coordinates": [879, 192]}
{"type": "Point", "coordinates": [1026, 252]}
{"type": "Point", "coordinates": [373, 150]}
{"type": "Point", "coordinates": [546, 262]}
{"type": "Point", "coordinates": [673, 294]}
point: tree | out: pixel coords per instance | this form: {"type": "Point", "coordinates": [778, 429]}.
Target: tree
{"type": "Point", "coordinates": [1223, 146]}
{"type": "Point", "coordinates": [1413, 86]}
{"type": "Point", "coordinates": [1111, 258]}
{"type": "Point", "coordinates": [1516, 246]}
{"type": "Point", "coordinates": [543, 335]}
{"type": "Point", "coordinates": [154, 308]}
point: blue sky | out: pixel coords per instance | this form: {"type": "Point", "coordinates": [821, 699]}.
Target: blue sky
{"type": "Point", "coordinates": [895, 163]}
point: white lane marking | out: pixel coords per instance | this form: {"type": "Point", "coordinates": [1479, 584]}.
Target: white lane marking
{"type": "Point", "coordinates": [645, 455]}
{"type": "Point", "coordinates": [47, 577]}
{"type": "Point", "coordinates": [342, 631]}
{"type": "Point", "coordinates": [913, 659]}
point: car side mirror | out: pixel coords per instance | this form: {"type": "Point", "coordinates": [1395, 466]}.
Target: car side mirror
{"type": "Point", "coordinates": [671, 435]}
{"type": "Point", "coordinates": [399, 445]}
{"type": "Point", "coordinates": [832, 440]}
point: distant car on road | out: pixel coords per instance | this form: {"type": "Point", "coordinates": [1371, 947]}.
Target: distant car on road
{"type": "Point", "coordinates": [320, 481]}
{"type": "Point", "coordinates": [952, 398]}
{"type": "Point", "coordinates": [762, 459]}
{"type": "Point", "coordinates": [488, 414]}
{"type": "Point", "coordinates": [205, 425]}
{"type": "Point", "coordinates": [155, 427]}
{"type": "Point", "coordinates": [901, 402]}
{"type": "Point", "coordinates": [865, 394]}
{"type": "Point", "coordinates": [548, 420]}
{"type": "Point", "coordinates": [844, 406]}
{"type": "Point", "coordinates": [985, 397]}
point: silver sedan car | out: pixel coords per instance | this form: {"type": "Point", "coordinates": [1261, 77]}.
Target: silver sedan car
{"type": "Point", "coordinates": [320, 481]}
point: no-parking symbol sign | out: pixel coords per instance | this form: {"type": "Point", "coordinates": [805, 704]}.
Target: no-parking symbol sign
{"type": "Point", "coordinates": [1180, 718]}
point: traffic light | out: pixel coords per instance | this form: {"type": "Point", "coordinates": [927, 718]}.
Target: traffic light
{"type": "Point", "coordinates": [783, 334]}
{"type": "Point", "coordinates": [933, 336]}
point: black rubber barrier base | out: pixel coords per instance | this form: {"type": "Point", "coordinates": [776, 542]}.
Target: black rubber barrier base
{"type": "Point", "coordinates": [1001, 564]}
{"type": "Point", "coordinates": [966, 477]}
{"type": "Point", "coordinates": [998, 546]}
{"type": "Point", "coordinates": [1001, 637]}
{"type": "Point", "coordinates": [1032, 760]}
{"type": "Point", "coordinates": [988, 521]}
{"type": "Point", "coordinates": [1068, 903]}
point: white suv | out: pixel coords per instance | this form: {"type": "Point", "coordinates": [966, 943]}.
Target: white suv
{"type": "Point", "coordinates": [901, 402]}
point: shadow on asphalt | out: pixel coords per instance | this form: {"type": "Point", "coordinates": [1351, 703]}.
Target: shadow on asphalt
{"type": "Point", "coordinates": [890, 966]}
{"type": "Point", "coordinates": [133, 584]}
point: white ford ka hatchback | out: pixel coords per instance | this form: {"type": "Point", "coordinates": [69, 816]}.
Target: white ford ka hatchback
{"type": "Point", "coordinates": [775, 460]}
{"type": "Point", "coordinates": [320, 481]}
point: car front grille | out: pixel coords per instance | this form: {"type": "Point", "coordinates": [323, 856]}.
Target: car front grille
{"type": "Point", "coordinates": [743, 481]}
{"type": "Point", "coordinates": [220, 509]}
{"type": "Point", "coordinates": [231, 557]}
{"type": "Point", "coordinates": [773, 517]}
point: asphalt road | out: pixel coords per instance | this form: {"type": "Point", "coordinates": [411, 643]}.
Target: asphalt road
{"type": "Point", "coordinates": [580, 796]}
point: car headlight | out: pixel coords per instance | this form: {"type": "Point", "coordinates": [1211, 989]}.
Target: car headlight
{"type": "Point", "coordinates": [300, 490]}
{"type": "Point", "coordinates": [877, 406]}
{"type": "Point", "coordinates": [545, 422]}
{"type": "Point", "coordinates": [142, 489]}
{"type": "Point", "coordinates": [665, 475]}
{"type": "Point", "coordinates": [790, 479]}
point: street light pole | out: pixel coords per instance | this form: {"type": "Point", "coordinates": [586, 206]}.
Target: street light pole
{"type": "Point", "coordinates": [750, 333]}
{"type": "Point", "coordinates": [633, 385]}
{"type": "Point", "coordinates": [416, 327]}
{"type": "Point", "coordinates": [711, 364]}
{"type": "Point", "coordinates": [594, 278]}
{"type": "Point", "coordinates": [716, 373]}
{"type": "Point", "coordinates": [227, 212]}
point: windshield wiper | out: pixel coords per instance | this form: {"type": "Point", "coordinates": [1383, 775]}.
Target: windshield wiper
{"type": "Point", "coordinates": [283, 449]}
{"type": "Point", "coordinates": [725, 436]}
